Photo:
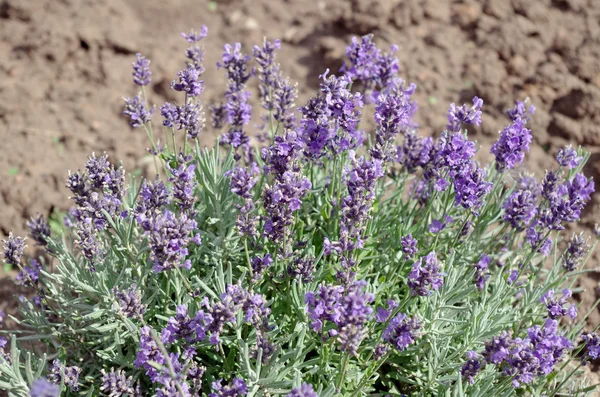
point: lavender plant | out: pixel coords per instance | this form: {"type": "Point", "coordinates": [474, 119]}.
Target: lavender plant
{"type": "Point", "coordinates": [310, 262]}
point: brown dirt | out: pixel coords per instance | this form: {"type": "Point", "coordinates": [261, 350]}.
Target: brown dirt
{"type": "Point", "coordinates": [64, 65]}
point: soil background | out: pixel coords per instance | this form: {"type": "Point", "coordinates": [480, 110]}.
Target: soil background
{"type": "Point", "coordinates": [65, 64]}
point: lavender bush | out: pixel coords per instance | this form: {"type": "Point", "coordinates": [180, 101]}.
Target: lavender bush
{"type": "Point", "coordinates": [319, 260]}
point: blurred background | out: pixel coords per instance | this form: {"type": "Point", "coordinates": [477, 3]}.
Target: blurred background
{"type": "Point", "coordinates": [65, 65]}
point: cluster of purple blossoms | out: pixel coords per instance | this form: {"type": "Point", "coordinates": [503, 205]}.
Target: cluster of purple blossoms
{"type": "Point", "coordinates": [346, 307]}
{"type": "Point", "coordinates": [592, 347]}
{"type": "Point", "coordinates": [568, 157]}
{"type": "Point", "coordinates": [184, 183]}
{"type": "Point", "coordinates": [459, 115]}
{"type": "Point", "coordinates": [277, 94]}
{"type": "Point", "coordinates": [236, 388]}
{"type": "Point", "coordinates": [116, 383]}
{"type": "Point", "coordinates": [188, 117]}
{"type": "Point", "coordinates": [39, 230]}
{"type": "Point", "coordinates": [137, 111]}
{"type": "Point", "coordinates": [193, 36]}
{"type": "Point", "coordinates": [567, 201]}
{"type": "Point", "coordinates": [409, 245]}
{"type": "Point", "coordinates": [575, 252]}
{"type": "Point", "coordinates": [511, 147]}
{"type": "Point", "coordinates": [13, 249]}
{"type": "Point", "coordinates": [153, 197]}
{"type": "Point", "coordinates": [528, 181]}
{"type": "Point", "coordinates": [304, 390]}
{"type": "Point", "coordinates": [520, 111]}
{"type": "Point", "coordinates": [482, 273]}
{"type": "Point", "coordinates": [243, 180]}
{"type": "Point", "coordinates": [414, 152]}
{"type": "Point", "coordinates": [260, 264]}
{"type": "Point", "coordinates": [280, 201]}
{"type": "Point", "coordinates": [471, 188]}
{"type": "Point", "coordinates": [471, 367]}
{"type": "Point", "coordinates": [189, 81]}
{"type": "Point", "coordinates": [62, 374]}
{"type": "Point", "coordinates": [438, 225]}
{"type": "Point", "coordinates": [329, 121]}
{"type": "Point", "coordinates": [42, 388]}
{"type": "Point", "coordinates": [535, 355]}
{"type": "Point", "coordinates": [520, 208]}
{"type": "Point", "coordinates": [141, 70]}
{"type": "Point", "coordinates": [425, 276]}
{"type": "Point", "coordinates": [168, 237]}
{"type": "Point", "coordinates": [550, 185]}
{"type": "Point", "coordinates": [392, 114]}
{"type": "Point", "coordinates": [375, 69]}
{"type": "Point", "coordinates": [98, 190]}
{"type": "Point", "coordinates": [130, 302]}
{"type": "Point", "coordinates": [384, 314]}
{"type": "Point", "coordinates": [213, 317]}
{"type": "Point", "coordinates": [149, 351]}
{"type": "Point", "coordinates": [535, 237]}
{"type": "Point", "coordinates": [30, 274]}
{"type": "Point", "coordinates": [237, 109]}
{"type": "Point", "coordinates": [402, 331]}
{"type": "Point", "coordinates": [454, 151]}
{"type": "Point", "coordinates": [360, 179]}
{"type": "Point", "coordinates": [302, 268]}
{"type": "Point", "coordinates": [556, 307]}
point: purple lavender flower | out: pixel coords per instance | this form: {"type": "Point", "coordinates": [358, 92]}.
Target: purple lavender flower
{"type": "Point", "coordinates": [402, 331]}
{"type": "Point", "coordinates": [425, 276]}
{"type": "Point", "coordinates": [409, 245]}
{"type": "Point", "coordinates": [236, 388]}
{"type": "Point", "coordinates": [305, 390]}
{"type": "Point", "coordinates": [60, 373]}
{"type": "Point", "coordinates": [556, 307]}
{"type": "Point", "coordinates": [471, 188]}
{"type": "Point", "coordinates": [510, 148]}
{"type": "Point", "coordinates": [39, 230]}
{"type": "Point", "coordinates": [568, 157]}
{"type": "Point", "coordinates": [519, 209]}
{"type": "Point", "coordinates": [459, 115]}
{"type": "Point", "coordinates": [141, 70]}
{"type": "Point", "coordinates": [284, 98]}
{"type": "Point", "coordinates": [149, 351]}
{"type": "Point", "coordinates": [361, 181]}
{"type": "Point", "coordinates": [30, 275]}
{"type": "Point", "coordinates": [520, 112]}
{"type": "Point", "coordinates": [116, 383]}
{"type": "Point", "coordinates": [268, 72]}
{"type": "Point", "coordinates": [471, 367]}
{"type": "Point", "coordinates": [414, 151]}
{"type": "Point", "coordinates": [348, 308]}
{"type": "Point", "coordinates": [235, 64]}
{"type": "Point", "coordinates": [534, 238]}
{"type": "Point", "coordinates": [512, 276]}
{"type": "Point", "coordinates": [189, 81]}
{"type": "Point", "coordinates": [13, 249]}
{"type": "Point", "coordinates": [184, 183]}
{"type": "Point", "coordinates": [168, 236]}
{"type": "Point", "coordinates": [550, 185]}
{"type": "Point", "coordinates": [567, 202]}
{"type": "Point", "coordinates": [382, 314]}
{"type": "Point", "coordinates": [194, 36]}
{"type": "Point", "coordinates": [528, 181]}
{"type": "Point", "coordinates": [2, 316]}
{"type": "Point", "coordinates": [592, 347]}
{"type": "Point", "coordinates": [243, 179]}
{"type": "Point", "coordinates": [188, 118]}
{"type": "Point", "coordinates": [525, 359]}
{"type": "Point", "coordinates": [380, 351]}
{"type": "Point", "coordinates": [130, 302]}
{"type": "Point", "coordinates": [136, 110]}
{"type": "Point", "coordinates": [597, 230]}
{"type": "Point", "coordinates": [42, 388]}
{"type": "Point", "coordinates": [153, 197]}
{"type": "Point", "coordinates": [260, 264]}
{"type": "Point", "coordinates": [456, 152]}
{"type": "Point", "coordinates": [392, 113]}
{"type": "Point", "coordinates": [302, 268]}
{"type": "Point", "coordinates": [497, 348]}
{"type": "Point", "coordinates": [481, 271]}
{"type": "Point", "coordinates": [363, 55]}
{"type": "Point", "coordinates": [575, 252]}
{"type": "Point", "coordinates": [436, 226]}
{"type": "Point", "coordinates": [181, 327]}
